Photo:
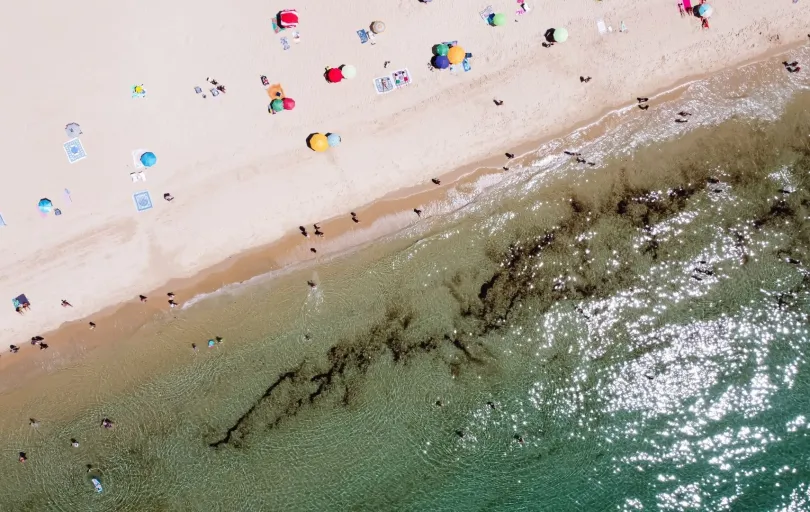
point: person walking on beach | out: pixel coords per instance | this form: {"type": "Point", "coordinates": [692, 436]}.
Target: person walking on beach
{"type": "Point", "coordinates": [142, 297]}
{"type": "Point", "coordinates": [498, 102]}
{"type": "Point", "coordinates": [313, 250]}
{"type": "Point", "coordinates": [584, 79]}
{"type": "Point", "coordinates": [66, 304]}
{"type": "Point", "coordinates": [92, 326]}
{"type": "Point", "coordinates": [418, 212]}
{"type": "Point", "coordinates": [436, 181]}
{"type": "Point", "coordinates": [683, 113]}
{"type": "Point", "coordinates": [643, 107]}
{"type": "Point", "coordinates": [303, 231]}
{"type": "Point", "coordinates": [510, 155]}
{"type": "Point", "coordinates": [312, 284]}
{"type": "Point", "coordinates": [354, 218]}
{"type": "Point", "coordinates": [14, 349]}
{"type": "Point", "coordinates": [172, 304]}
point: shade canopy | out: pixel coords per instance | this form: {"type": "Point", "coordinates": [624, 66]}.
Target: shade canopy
{"type": "Point", "coordinates": [455, 55]}
{"type": "Point", "coordinates": [499, 19]}
{"type": "Point", "coordinates": [288, 18]}
{"type": "Point", "coordinates": [148, 159]}
{"type": "Point", "coordinates": [441, 49]}
{"type": "Point", "coordinates": [333, 139]}
{"type": "Point", "coordinates": [288, 103]}
{"type": "Point", "coordinates": [704, 10]}
{"type": "Point", "coordinates": [73, 130]}
{"type": "Point", "coordinates": [334, 75]}
{"type": "Point", "coordinates": [348, 71]}
{"type": "Point", "coordinates": [441, 62]}
{"type": "Point", "coordinates": [560, 35]}
{"type": "Point", "coordinates": [277, 105]}
{"type": "Point", "coordinates": [378, 27]}
{"type": "Point", "coordinates": [45, 205]}
{"type": "Point", "coordinates": [319, 142]}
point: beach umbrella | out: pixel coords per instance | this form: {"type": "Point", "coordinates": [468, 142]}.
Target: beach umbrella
{"type": "Point", "coordinates": [704, 10]}
{"type": "Point", "coordinates": [333, 139]}
{"type": "Point", "coordinates": [288, 103]}
{"type": "Point", "coordinates": [288, 18]}
{"type": "Point", "coordinates": [455, 55]}
{"type": "Point", "coordinates": [378, 27]}
{"type": "Point", "coordinates": [334, 75]}
{"type": "Point", "coordinates": [441, 62]}
{"type": "Point", "coordinates": [560, 35]}
{"type": "Point", "coordinates": [277, 105]}
{"type": "Point", "coordinates": [348, 71]}
{"type": "Point", "coordinates": [441, 49]}
{"type": "Point", "coordinates": [73, 130]}
{"type": "Point", "coordinates": [499, 19]}
{"type": "Point", "coordinates": [45, 205]}
{"type": "Point", "coordinates": [319, 142]}
{"type": "Point", "coordinates": [148, 159]}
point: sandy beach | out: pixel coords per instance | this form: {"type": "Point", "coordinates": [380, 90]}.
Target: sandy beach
{"type": "Point", "coordinates": [243, 178]}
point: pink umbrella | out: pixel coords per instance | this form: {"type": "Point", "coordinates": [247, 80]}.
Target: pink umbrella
{"type": "Point", "coordinates": [334, 75]}
{"type": "Point", "coordinates": [289, 103]}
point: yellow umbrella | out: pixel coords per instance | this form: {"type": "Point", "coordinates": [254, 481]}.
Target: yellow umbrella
{"type": "Point", "coordinates": [319, 142]}
{"type": "Point", "coordinates": [456, 55]}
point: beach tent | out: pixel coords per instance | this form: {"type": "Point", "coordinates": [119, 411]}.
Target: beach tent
{"type": "Point", "coordinates": [45, 205]}
{"type": "Point", "coordinates": [288, 18]}
{"type": "Point", "coordinates": [378, 27]}
{"type": "Point", "coordinates": [348, 71]}
{"type": "Point", "coordinates": [288, 103]}
{"type": "Point", "coordinates": [560, 35]}
{"type": "Point", "coordinates": [704, 10]}
{"type": "Point", "coordinates": [73, 130]}
{"type": "Point", "coordinates": [319, 142]}
{"type": "Point", "coordinates": [334, 75]}
{"type": "Point", "coordinates": [441, 49]}
{"type": "Point", "coordinates": [277, 105]}
{"type": "Point", "coordinates": [455, 55]}
{"type": "Point", "coordinates": [148, 159]}
{"type": "Point", "coordinates": [333, 139]}
{"type": "Point", "coordinates": [441, 62]}
{"type": "Point", "coordinates": [499, 19]}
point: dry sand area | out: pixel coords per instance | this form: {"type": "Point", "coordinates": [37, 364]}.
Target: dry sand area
{"type": "Point", "coordinates": [242, 177]}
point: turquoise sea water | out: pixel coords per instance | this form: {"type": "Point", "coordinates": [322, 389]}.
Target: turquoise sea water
{"type": "Point", "coordinates": [628, 337]}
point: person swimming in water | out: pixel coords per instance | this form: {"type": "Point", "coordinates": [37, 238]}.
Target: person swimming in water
{"type": "Point", "coordinates": [107, 423]}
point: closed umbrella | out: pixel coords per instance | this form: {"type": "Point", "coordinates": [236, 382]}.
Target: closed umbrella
{"type": "Point", "coordinates": [45, 205]}
{"type": "Point", "coordinates": [348, 71]}
{"type": "Point", "coordinates": [319, 142]}
{"type": "Point", "coordinates": [441, 49]}
{"type": "Point", "coordinates": [73, 130]}
{"type": "Point", "coordinates": [288, 103]}
{"type": "Point", "coordinates": [455, 55]}
{"type": "Point", "coordinates": [560, 35]}
{"type": "Point", "coordinates": [441, 62]}
{"type": "Point", "coordinates": [378, 27]}
{"type": "Point", "coordinates": [334, 75]}
{"type": "Point", "coordinates": [148, 159]}
{"type": "Point", "coordinates": [333, 139]}
{"type": "Point", "coordinates": [499, 19]}
{"type": "Point", "coordinates": [277, 105]}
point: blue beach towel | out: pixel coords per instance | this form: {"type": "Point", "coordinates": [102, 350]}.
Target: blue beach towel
{"type": "Point", "coordinates": [285, 43]}
{"type": "Point", "coordinates": [2, 221]}
{"type": "Point", "coordinates": [143, 201]}
{"type": "Point", "coordinates": [363, 35]}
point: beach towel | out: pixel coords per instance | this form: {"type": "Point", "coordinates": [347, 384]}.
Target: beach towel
{"type": "Point", "coordinates": [2, 221]}
{"type": "Point", "coordinates": [487, 13]}
{"type": "Point", "coordinates": [600, 26]}
{"type": "Point", "coordinates": [363, 35]}
{"type": "Point", "coordinates": [197, 89]}
{"type": "Point", "coordinates": [142, 200]}
{"type": "Point", "coordinates": [384, 84]}
{"type": "Point", "coordinates": [687, 5]}
{"type": "Point", "coordinates": [138, 91]}
{"type": "Point", "coordinates": [285, 43]}
{"type": "Point", "coordinates": [401, 78]}
{"type": "Point", "coordinates": [214, 91]}
{"type": "Point", "coordinates": [74, 150]}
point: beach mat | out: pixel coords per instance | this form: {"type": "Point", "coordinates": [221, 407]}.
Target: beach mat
{"type": "Point", "coordinates": [272, 91]}
{"type": "Point", "coordinates": [143, 201]}
{"type": "Point", "coordinates": [401, 78]}
{"type": "Point", "coordinates": [486, 13]}
{"type": "Point", "coordinates": [384, 84]}
{"type": "Point", "coordinates": [74, 150]}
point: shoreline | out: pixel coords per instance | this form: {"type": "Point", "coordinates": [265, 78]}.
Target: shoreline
{"type": "Point", "coordinates": [380, 218]}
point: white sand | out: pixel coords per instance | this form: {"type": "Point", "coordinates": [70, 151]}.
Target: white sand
{"type": "Point", "coordinates": [242, 177]}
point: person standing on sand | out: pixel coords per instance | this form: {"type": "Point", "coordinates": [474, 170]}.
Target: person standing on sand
{"type": "Point", "coordinates": [66, 304]}
{"type": "Point", "coordinates": [92, 326]}
{"type": "Point", "coordinates": [418, 212]}
{"type": "Point", "coordinates": [142, 297]}
{"type": "Point", "coordinates": [510, 155]}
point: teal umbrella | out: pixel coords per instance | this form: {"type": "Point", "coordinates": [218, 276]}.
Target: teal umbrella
{"type": "Point", "coordinates": [277, 105]}
{"type": "Point", "coordinates": [441, 49]}
{"type": "Point", "coordinates": [560, 35]}
{"type": "Point", "coordinates": [45, 205]}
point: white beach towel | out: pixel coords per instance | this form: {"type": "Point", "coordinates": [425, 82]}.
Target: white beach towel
{"type": "Point", "coordinates": [486, 13]}
{"type": "Point", "coordinates": [600, 26]}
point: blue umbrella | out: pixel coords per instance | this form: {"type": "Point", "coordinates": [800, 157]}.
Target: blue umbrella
{"type": "Point", "coordinates": [441, 62]}
{"type": "Point", "coordinates": [148, 159]}
{"type": "Point", "coordinates": [45, 205]}
{"type": "Point", "coordinates": [704, 10]}
{"type": "Point", "coordinates": [333, 139]}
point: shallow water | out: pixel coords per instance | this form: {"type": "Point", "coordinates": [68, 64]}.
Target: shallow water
{"type": "Point", "coordinates": [632, 337]}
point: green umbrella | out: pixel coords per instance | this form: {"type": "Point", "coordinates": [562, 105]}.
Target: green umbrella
{"type": "Point", "coordinates": [277, 105]}
{"type": "Point", "coordinates": [499, 19]}
{"type": "Point", "coordinates": [441, 49]}
{"type": "Point", "coordinates": [560, 35]}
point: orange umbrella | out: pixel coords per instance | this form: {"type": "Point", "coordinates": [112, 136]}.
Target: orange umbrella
{"type": "Point", "coordinates": [319, 142]}
{"type": "Point", "coordinates": [456, 55]}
